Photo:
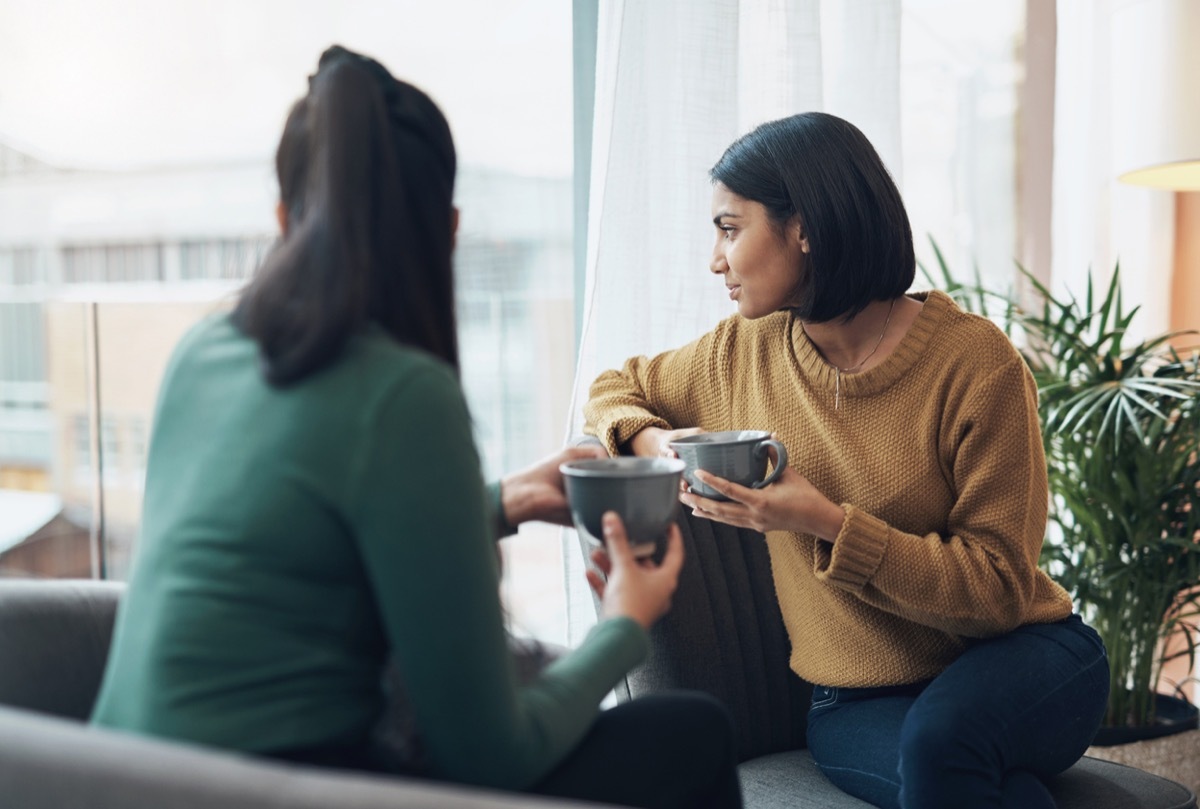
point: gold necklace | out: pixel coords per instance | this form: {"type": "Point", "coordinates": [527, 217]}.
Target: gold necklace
{"type": "Point", "coordinates": [838, 370]}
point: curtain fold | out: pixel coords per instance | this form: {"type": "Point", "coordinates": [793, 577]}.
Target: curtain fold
{"type": "Point", "coordinates": [676, 83]}
{"type": "Point", "coordinates": [1098, 221]}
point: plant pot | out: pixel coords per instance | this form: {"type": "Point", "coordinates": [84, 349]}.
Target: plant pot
{"type": "Point", "coordinates": [1172, 715]}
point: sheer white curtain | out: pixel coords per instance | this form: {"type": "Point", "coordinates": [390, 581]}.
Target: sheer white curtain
{"type": "Point", "coordinates": [676, 82]}
{"type": "Point", "coordinates": [1097, 220]}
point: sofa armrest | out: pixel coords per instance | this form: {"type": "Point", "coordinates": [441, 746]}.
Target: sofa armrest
{"type": "Point", "coordinates": [54, 638]}
{"type": "Point", "coordinates": [50, 763]}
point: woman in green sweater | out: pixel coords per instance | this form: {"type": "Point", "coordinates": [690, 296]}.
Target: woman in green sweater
{"type": "Point", "coordinates": [314, 509]}
{"type": "Point", "coordinates": [904, 535]}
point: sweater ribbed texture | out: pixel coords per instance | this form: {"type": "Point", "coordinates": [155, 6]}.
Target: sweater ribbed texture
{"type": "Point", "coordinates": [935, 455]}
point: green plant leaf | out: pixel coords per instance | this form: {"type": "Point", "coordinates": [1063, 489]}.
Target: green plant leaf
{"type": "Point", "coordinates": [1121, 430]}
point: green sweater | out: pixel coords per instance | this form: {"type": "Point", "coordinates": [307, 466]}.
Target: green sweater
{"type": "Point", "coordinates": [291, 539]}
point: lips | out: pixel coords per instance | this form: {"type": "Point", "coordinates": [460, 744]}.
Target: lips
{"type": "Point", "coordinates": [734, 290]}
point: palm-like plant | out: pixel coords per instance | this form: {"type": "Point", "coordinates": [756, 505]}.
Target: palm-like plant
{"type": "Point", "coordinates": [1121, 427]}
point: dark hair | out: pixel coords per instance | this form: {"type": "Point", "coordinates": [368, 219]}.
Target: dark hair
{"type": "Point", "coordinates": [366, 173]}
{"type": "Point", "coordinates": [824, 170]}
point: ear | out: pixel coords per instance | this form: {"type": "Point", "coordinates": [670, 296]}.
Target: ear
{"type": "Point", "coordinates": [453, 228]}
{"type": "Point", "coordinates": [797, 232]}
{"type": "Point", "coordinates": [281, 217]}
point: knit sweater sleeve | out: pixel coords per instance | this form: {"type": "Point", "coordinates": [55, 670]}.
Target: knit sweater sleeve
{"type": "Point", "coordinates": [685, 387]}
{"type": "Point", "coordinates": [425, 531]}
{"type": "Point", "coordinates": [978, 577]}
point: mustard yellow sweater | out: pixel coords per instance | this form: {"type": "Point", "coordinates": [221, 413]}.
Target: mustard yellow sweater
{"type": "Point", "coordinates": [935, 454]}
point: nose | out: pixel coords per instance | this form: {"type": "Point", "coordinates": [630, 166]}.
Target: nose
{"type": "Point", "coordinates": [717, 264]}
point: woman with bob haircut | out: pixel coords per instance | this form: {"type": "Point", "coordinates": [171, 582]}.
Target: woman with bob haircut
{"type": "Point", "coordinates": [314, 512]}
{"type": "Point", "coordinates": [904, 536]}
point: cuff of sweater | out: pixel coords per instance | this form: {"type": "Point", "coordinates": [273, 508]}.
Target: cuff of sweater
{"type": "Point", "coordinates": [500, 526]}
{"type": "Point", "coordinates": [623, 424]}
{"type": "Point", "coordinates": [611, 649]}
{"type": "Point", "coordinates": [856, 552]}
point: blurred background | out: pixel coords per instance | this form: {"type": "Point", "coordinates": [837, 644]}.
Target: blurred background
{"type": "Point", "coordinates": [137, 194]}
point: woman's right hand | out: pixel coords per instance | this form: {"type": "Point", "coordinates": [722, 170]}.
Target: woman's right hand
{"type": "Point", "coordinates": [635, 588]}
{"type": "Point", "coordinates": [655, 441]}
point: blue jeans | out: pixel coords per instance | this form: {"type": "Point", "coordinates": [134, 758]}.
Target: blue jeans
{"type": "Point", "coordinates": [1009, 711]}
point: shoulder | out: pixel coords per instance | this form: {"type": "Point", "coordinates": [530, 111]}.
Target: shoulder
{"type": "Point", "coordinates": [383, 374]}
{"type": "Point", "coordinates": [213, 328]}
{"type": "Point", "coordinates": [964, 339]}
{"type": "Point", "coordinates": [738, 333]}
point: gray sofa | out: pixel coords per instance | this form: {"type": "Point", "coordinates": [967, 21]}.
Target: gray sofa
{"type": "Point", "coordinates": [723, 635]}
{"type": "Point", "coordinates": [54, 638]}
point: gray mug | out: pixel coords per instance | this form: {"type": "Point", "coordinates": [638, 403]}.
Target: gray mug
{"type": "Point", "coordinates": [643, 491]}
{"type": "Point", "coordinates": [736, 455]}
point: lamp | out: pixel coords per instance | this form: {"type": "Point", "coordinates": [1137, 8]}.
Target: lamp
{"type": "Point", "coordinates": [1156, 92]}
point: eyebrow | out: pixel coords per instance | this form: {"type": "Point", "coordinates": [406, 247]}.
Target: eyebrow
{"type": "Point", "coordinates": [725, 215]}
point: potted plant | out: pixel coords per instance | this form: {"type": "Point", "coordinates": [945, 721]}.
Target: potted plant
{"type": "Point", "coordinates": [1121, 427]}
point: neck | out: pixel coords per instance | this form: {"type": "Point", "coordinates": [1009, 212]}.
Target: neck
{"type": "Point", "coordinates": [846, 344]}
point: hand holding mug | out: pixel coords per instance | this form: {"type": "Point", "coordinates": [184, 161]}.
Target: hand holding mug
{"type": "Point", "coordinates": [635, 588]}
{"type": "Point", "coordinates": [792, 503]}
{"type": "Point", "coordinates": [536, 493]}
{"type": "Point", "coordinates": [736, 455]}
{"type": "Point", "coordinates": [656, 442]}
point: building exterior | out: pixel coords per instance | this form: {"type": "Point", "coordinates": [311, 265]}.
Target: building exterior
{"type": "Point", "coordinates": [102, 272]}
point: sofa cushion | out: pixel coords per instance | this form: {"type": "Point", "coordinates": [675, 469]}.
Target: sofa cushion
{"type": "Point", "coordinates": [52, 763]}
{"type": "Point", "coordinates": [54, 638]}
{"type": "Point", "coordinates": [792, 779]}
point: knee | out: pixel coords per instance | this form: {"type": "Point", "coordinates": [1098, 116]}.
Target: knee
{"type": "Point", "coordinates": [931, 744]}
{"type": "Point", "coordinates": [699, 720]}
{"type": "Point", "coordinates": [707, 715]}
{"type": "Point", "coordinates": [944, 763]}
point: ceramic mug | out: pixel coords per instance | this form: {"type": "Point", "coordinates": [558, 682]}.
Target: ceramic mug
{"type": "Point", "coordinates": [736, 455]}
{"type": "Point", "coordinates": [643, 491]}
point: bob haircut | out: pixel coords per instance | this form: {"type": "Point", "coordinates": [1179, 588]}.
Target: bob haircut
{"type": "Point", "coordinates": [824, 170]}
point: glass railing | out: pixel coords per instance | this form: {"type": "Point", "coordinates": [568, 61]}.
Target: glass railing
{"type": "Point", "coordinates": [73, 447]}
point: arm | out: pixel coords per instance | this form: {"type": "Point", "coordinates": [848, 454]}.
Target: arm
{"type": "Point", "coordinates": [679, 388]}
{"type": "Point", "coordinates": [425, 536]}
{"type": "Point", "coordinates": [536, 493]}
{"type": "Point", "coordinates": [979, 577]}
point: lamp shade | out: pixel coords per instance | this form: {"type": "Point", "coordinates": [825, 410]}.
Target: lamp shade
{"type": "Point", "coordinates": [1156, 92]}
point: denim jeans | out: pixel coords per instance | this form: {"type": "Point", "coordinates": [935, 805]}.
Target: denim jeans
{"type": "Point", "coordinates": [1009, 711]}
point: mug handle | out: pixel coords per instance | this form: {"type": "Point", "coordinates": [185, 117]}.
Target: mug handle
{"type": "Point", "coordinates": [761, 449]}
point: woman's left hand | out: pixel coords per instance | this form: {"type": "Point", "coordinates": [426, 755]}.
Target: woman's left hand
{"type": "Point", "coordinates": [791, 503]}
{"type": "Point", "coordinates": [537, 493]}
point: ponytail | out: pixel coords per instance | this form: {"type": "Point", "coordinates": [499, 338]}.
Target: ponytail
{"type": "Point", "coordinates": [366, 173]}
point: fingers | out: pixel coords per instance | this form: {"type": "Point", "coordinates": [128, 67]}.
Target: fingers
{"type": "Point", "coordinates": [673, 559]}
{"type": "Point", "coordinates": [596, 582]}
{"type": "Point", "coordinates": [664, 447]}
{"type": "Point", "coordinates": [584, 452]}
{"type": "Point", "coordinates": [602, 561]}
{"type": "Point", "coordinates": [615, 539]}
{"type": "Point", "coordinates": [733, 491]}
{"type": "Point", "coordinates": [736, 514]}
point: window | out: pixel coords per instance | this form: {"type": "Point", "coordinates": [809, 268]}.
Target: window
{"type": "Point", "coordinates": [222, 259]}
{"type": "Point", "coordinates": [116, 237]}
{"type": "Point", "coordinates": [110, 450]}
{"type": "Point", "coordinates": [112, 263]}
{"type": "Point", "coordinates": [960, 75]}
{"type": "Point", "coordinates": [138, 448]}
{"type": "Point", "coordinates": [81, 448]}
{"type": "Point", "coordinates": [19, 266]}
